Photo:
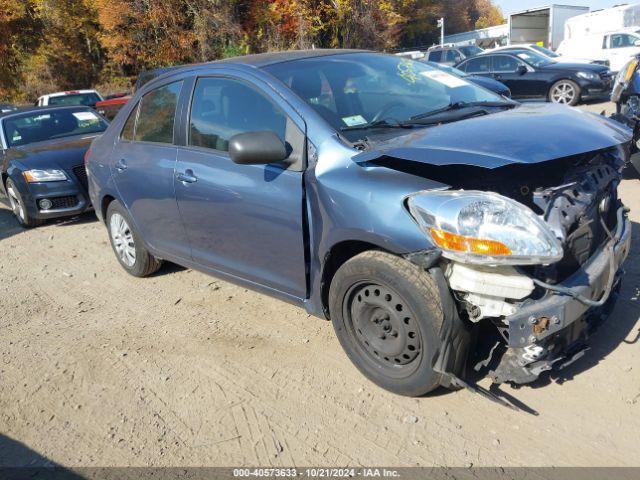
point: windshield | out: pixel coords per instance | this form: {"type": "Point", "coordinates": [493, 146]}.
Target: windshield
{"type": "Point", "coordinates": [358, 89]}
{"type": "Point", "coordinates": [545, 51]}
{"type": "Point", "coordinates": [88, 99]}
{"type": "Point", "coordinates": [534, 59]}
{"type": "Point", "coordinates": [40, 126]}
{"type": "Point", "coordinates": [471, 50]}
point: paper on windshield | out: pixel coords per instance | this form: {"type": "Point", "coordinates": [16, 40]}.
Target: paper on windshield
{"type": "Point", "coordinates": [85, 116]}
{"type": "Point", "coordinates": [444, 78]}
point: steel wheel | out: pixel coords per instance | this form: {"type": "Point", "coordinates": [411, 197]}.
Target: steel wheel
{"type": "Point", "coordinates": [564, 92]}
{"type": "Point", "coordinates": [123, 239]}
{"type": "Point", "coordinates": [16, 202]}
{"type": "Point", "coordinates": [383, 326]}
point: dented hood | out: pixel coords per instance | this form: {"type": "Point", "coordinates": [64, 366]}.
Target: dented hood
{"type": "Point", "coordinates": [529, 133]}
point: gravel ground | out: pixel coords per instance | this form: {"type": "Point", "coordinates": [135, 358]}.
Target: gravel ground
{"type": "Point", "coordinates": [98, 368]}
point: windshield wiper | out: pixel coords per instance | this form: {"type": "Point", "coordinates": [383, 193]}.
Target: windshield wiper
{"type": "Point", "coordinates": [377, 124]}
{"type": "Point", "coordinates": [460, 106]}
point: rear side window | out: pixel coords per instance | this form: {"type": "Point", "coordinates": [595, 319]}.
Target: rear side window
{"type": "Point", "coordinates": [129, 127]}
{"type": "Point", "coordinates": [157, 114]}
{"type": "Point", "coordinates": [435, 56]}
{"type": "Point", "coordinates": [222, 108]}
{"type": "Point", "coordinates": [454, 56]}
{"type": "Point", "coordinates": [478, 65]}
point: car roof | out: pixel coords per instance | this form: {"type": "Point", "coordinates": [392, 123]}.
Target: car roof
{"type": "Point", "coordinates": [48, 108]}
{"type": "Point", "coordinates": [69, 92]}
{"type": "Point", "coordinates": [259, 60]}
{"type": "Point", "coordinates": [263, 59]}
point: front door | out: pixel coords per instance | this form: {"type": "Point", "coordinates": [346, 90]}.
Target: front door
{"type": "Point", "coordinates": [245, 220]}
{"type": "Point", "coordinates": [523, 84]}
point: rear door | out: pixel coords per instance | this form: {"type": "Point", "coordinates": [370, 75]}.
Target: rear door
{"type": "Point", "coordinates": [244, 220]}
{"type": "Point", "coordinates": [143, 169]}
{"type": "Point", "coordinates": [480, 65]}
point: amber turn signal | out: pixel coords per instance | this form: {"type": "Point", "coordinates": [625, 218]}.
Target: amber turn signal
{"type": "Point", "coordinates": [461, 243]}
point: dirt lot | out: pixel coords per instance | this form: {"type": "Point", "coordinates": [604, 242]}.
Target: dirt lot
{"type": "Point", "coordinates": [100, 369]}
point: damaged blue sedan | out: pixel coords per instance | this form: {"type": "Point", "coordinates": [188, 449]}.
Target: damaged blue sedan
{"type": "Point", "coordinates": [442, 228]}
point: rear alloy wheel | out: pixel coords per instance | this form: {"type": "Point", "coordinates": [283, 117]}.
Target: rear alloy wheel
{"type": "Point", "coordinates": [129, 249]}
{"type": "Point", "coordinates": [18, 206]}
{"type": "Point", "coordinates": [565, 92]}
{"type": "Point", "coordinates": [387, 314]}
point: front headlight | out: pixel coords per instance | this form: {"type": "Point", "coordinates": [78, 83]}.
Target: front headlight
{"type": "Point", "coordinates": [484, 228]}
{"type": "Point", "coordinates": [51, 175]}
{"type": "Point", "coordinates": [588, 76]}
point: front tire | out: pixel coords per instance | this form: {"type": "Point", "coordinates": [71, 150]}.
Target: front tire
{"type": "Point", "coordinates": [19, 208]}
{"type": "Point", "coordinates": [565, 92]}
{"type": "Point", "coordinates": [387, 314]}
{"type": "Point", "coordinates": [127, 245]}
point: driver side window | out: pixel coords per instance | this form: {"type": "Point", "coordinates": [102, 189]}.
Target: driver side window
{"type": "Point", "coordinates": [223, 107]}
{"type": "Point", "coordinates": [505, 64]}
{"type": "Point", "coordinates": [622, 40]}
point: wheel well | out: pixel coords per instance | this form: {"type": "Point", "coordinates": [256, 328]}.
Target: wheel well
{"type": "Point", "coordinates": [106, 200]}
{"type": "Point", "coordinates": [337, 256]}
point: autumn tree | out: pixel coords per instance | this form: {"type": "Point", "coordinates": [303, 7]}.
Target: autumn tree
{"type": "Point", "coordinates": [48, 45]}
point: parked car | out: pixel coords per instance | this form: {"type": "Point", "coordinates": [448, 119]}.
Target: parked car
{"type": "Point", "coordinates": [7, 107]}
{"type": "Point", "coordinates": [616, 47]}
{"type": "Point", "coordinates": [110, 107]}
{"type": "Point", "coordinates": [488, 83]}
{"type": "Point", "coordinates": [88, 98]}
{"type": "Point", "coordinates": [550, 54]}
{"type": "Point", "coordinates": [419, 212]}
{"type": "Point", "coordinates": [532, 76]}
{"type": "Point", "coordinates": [450, 55]}
{"type": "Point", "coordinates": [41, 159]}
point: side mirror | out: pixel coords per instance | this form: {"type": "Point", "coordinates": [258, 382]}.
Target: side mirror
{"type": "Point", "coordinates": [257, 148]}
{"type": "Point", "coordinates": [522, 70]}
{"type": "Point", "coordinates": [637, 43]}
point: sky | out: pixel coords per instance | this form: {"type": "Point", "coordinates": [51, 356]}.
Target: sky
{"type": "Point", "coordinates": [510, 6]}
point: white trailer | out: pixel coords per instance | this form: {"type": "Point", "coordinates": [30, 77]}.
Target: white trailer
{"type": "Point", "coordinates": [543, 26]}
{"type": "Point", "coordinates": [617, 18]}
{"type": "Point", "coordinates": [485, 37]}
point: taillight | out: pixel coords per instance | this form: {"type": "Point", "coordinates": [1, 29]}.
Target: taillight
{"type": "Point", "coordinates": [86, 157]}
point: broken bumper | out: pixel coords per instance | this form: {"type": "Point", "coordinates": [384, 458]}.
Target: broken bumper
{"type": "Point", "coordinates": [552, 332]}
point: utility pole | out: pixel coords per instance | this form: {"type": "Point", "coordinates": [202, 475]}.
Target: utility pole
{"type": "Point", "coordinates": [441, 25]}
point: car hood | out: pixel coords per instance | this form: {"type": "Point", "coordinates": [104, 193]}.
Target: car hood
{"type": "Point", "coordinates": [527, 134]}
{"type": "Point", "coordinates": [63, 152]}
{"type": "Point", "coordinates": [489, 83]}
{"type": "Point", "coordinates": [577, 67]}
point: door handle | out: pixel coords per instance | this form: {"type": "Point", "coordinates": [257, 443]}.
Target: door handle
{"type": "Point", "coordinates": [187, 177]}
{"type": "Point", "coordinates": [121, 165]}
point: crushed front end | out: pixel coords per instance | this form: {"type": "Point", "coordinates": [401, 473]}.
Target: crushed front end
{"type": "Point", "coordinates": [530, 314]}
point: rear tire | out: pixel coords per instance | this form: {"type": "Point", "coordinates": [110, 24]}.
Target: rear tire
{"type": "Point", "coordinates": [387, 314]}
{"type": "Point", "coordinates": [127, 245]}
{"type": "Point", "coordinates": [19, 208]}
{"type": "Point", "coordinates": [565, 92]}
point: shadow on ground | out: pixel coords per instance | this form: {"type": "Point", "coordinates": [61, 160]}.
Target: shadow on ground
{"type": "Point", "coordinates": [18, 462]}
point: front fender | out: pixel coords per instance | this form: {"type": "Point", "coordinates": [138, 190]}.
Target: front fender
{"type": "Point", "coordinates": [348, 202]}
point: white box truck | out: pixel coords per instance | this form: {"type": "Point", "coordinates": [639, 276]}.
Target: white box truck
{"type": "Point", "coordinates": [544, 26]}
{"type": "Point", "coordinates": [622, 17]}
